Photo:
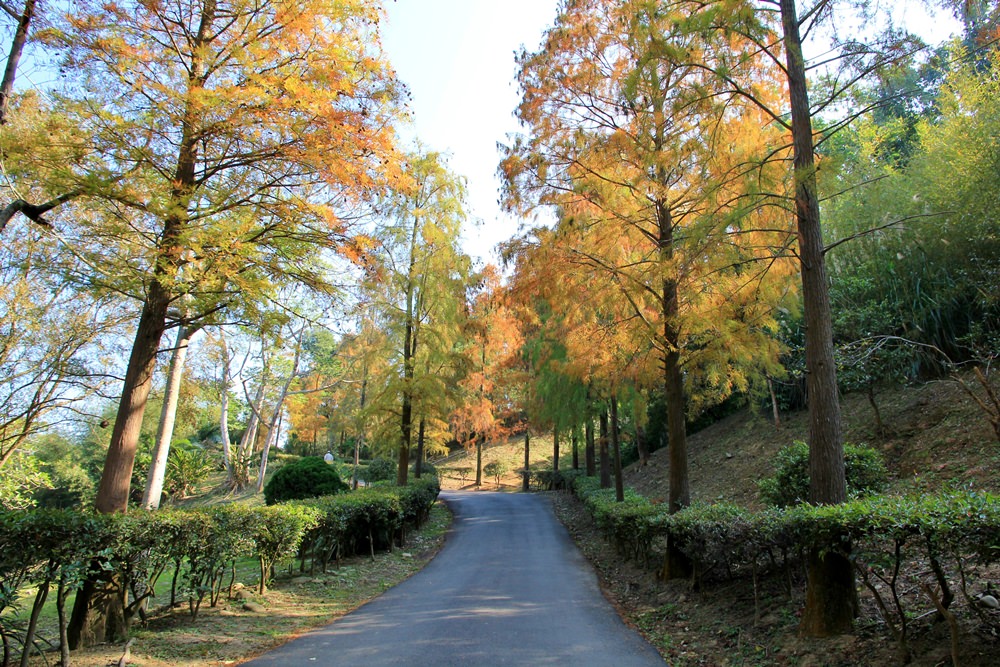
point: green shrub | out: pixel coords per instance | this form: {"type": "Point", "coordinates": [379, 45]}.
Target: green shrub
{"type": "Point", "coordinates": [865, 470]}
{"type": "Point", "coordinates": [381, 470]}
{"type": "Point", "coordinates": [425, 469]}
{"type": "Point", "coordinates": [309, 477]}
{"type": "Point", "coordinates": [496, 469]}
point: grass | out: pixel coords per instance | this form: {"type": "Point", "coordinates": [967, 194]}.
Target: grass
{"type": "Point", "coordinates": [295, 603]}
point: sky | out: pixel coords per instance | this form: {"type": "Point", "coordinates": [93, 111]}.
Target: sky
{"type": "Point", "coordinates": [457, 58]}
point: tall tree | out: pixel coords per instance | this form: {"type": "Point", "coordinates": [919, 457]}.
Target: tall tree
{"type": "Point", "coordinates": [651, 167]}
{"type": "Point", "coordinates": [420, 286]}
{"type": "Point", "coordinates": [226, 131]}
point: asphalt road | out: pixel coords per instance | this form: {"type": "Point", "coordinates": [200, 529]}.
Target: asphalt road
{"type": "Point", "coordinates": [508, 588]}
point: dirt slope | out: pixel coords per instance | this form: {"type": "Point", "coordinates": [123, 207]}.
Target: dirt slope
{"type": "Point", "coordinates": [933, 434]}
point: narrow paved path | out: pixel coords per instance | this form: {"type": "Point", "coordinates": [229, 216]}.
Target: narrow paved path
{"type": "Point", "coordinates": [508, 588]}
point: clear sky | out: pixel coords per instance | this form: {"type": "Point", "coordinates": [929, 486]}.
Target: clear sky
{"type": "Point", "coordinates": [457, 57]}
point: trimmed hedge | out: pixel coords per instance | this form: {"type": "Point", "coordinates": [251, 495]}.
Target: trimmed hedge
{"type": "Point", "coordinates": [891, 540]}
{"type": "Point", "coordinates": [46, 548]}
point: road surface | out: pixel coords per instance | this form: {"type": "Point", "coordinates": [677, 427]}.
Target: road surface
{"type": "Point", "coordinates": [508, 588]}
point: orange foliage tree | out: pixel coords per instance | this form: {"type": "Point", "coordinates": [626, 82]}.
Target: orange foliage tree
{"type": "Point", "coordinates": [222, 141]}
{"type": "Point", "coordinates": [655, 173]}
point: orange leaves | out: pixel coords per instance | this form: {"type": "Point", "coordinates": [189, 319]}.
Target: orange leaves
{"type": "Point", "coordinates": [657, 168]}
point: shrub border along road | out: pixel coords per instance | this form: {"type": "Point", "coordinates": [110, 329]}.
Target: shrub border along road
{"type": "Point", "coordinates": [43, 549]}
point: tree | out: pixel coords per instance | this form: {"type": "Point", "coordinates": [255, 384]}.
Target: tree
{"type": "Point", "coordinates": [652, 169]}
{"type": "Point", "coordinates": [488, 409]}
{"type": "Point", "coordinates": [220, 137]}
{"type": "Point", "coordinates": [224, 148]}
{"type": "Point", "coordinates": [420, 285]}
{"type": "Point", "coordinates": [53, 338]}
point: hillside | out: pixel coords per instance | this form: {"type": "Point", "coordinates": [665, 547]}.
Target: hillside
{"type": "Point", "coordinates": [933, 434]}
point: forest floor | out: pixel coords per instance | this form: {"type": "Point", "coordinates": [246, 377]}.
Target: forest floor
{"type": "Point", "coordinates": [933, 435]}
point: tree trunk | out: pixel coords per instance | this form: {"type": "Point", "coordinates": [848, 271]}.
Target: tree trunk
{"type": "Point", "coordinates": [603, 451]}
{"type": "Point", "coordinates": [526, 475]}
{"type": "Point", "coordinates": [165, 430]}
{"type": "Point", "coordinates": [274, 425]}
{"type": "Point", "coordinates": [419, 464]}
{"type": "Point", "coordinates": [616, 447]}
{"type": "Point", "coordinates": [113, 491]}
{"type": "Point", "coordinates": [588, 447]}
{"type": "Point", "coordinates": [774, 404]}
{"type": "Point", "coordinates": [642, 445]}
{"type": "Point", "coordinates": [406, 422]}
{"type": "Point", "coordinates": [555, 449]}
{"type": "Point", "coordinates": [575, 443]}
{"type": "Point", "coordinates": [830, 595]}
{"type": "Point", "coordinates": [14, 57]}
{"type": "Point", "coordinates": [227, 445]}
{"type": "Point", "coordinates": [479, 461]}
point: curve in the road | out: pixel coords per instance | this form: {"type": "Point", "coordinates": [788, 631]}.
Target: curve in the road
{"type": "Point", "coordinates": [508, 588]}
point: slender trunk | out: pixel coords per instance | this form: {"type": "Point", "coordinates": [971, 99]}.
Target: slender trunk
{"type": "Point", "coordinates": [642, 445]}
{"type": "Point", "coordinates": [676, 564]}
{"type": "Point", "coordinates": [419, 464]}
{"type": "Point", "coordinates": [603, 451]}
{"type": "Point", "coordinates": [575, 444]}
{"type": "Point", "coordinates": [406, 424]}
{"type": "Point", "coordinates": [526, 473]}
{"type": "Point", "coordinates": [274, 426]}
{"type": "Point", "coordinates": [272, 437]}
{"type": "Point", "coordinates": [588, 447]}
{"type": "Point", "coordinates": [165, 430]}
{"type": "Point", "coordinates": [14, 57]}
{"type": "Point", "coordinates": [774, 404]}
{"type": "Point", "coordinates": [555, 449]}
{"type": "Point", "coordinates": [617, 451]}
{"type": "Point", "coordinates": [227, 445]}
{"type": "Point", "coordinates": [479, 461]}
{"type": "Point", "coordinates": [831, 599]}
{"type": "Point", "coordinates": [359, 441]}
{"type": "Point", "coordinates": [879, 426]}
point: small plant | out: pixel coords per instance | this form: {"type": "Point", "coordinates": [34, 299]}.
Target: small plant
{"type": "Point", "coordinates": [496, 469]}
{"type": "Point", "coordinates": [309, 477]}
{"type": "Point", "coordinates": [187, 466]}
{"type": "Point", "coordinates": [865, 470]}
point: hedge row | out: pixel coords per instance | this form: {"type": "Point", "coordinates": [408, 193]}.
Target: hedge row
{"type": "Point", "coordinates": [46, 548]}
{"type": "Point", "coordinates": [897, 544]}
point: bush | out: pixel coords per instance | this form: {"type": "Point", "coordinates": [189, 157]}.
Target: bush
{"type": "Point", "coordinates": [381, 470]}
{"type": "Point", "coordinates": [309, 477]}
{"type": "Point", "coordinates": [866, 475]}
{"type": "Point", "coordinates": [425, 469]}
{"type": "Point", "coordinates": [496, 469]}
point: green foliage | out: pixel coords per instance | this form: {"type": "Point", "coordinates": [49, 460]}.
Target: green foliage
{"type": "Point", "coordinates": [309, 477]}
{"type": "Point", "coordinates": [865, 471]}
{"type": "Point", "coordinates": [20, 478]}
{"type": "Point", "coordinates": [426, 469]}
{"type": "Point", "coordinates": [187, 466]}
{"type": "Point", "coordinates": [380, 470]}
{"type": "Point", "coordinates": [496, 469]}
